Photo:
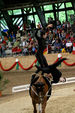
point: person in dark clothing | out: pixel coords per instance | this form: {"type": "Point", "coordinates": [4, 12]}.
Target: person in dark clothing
{"type": "Point", "coordinates": [33, 25]}
{"type": "Point", "coordinates": [41, 47]}
{"type": "Point", "coordinates": [56, 74]}
{"type": "Point", "coordinates": [44, 67]}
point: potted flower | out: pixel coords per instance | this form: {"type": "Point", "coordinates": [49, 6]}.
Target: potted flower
{"type": "Point", "coordinates": [3, 83]}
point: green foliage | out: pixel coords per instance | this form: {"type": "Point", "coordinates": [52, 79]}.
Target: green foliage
{"type": "Point", "coordinates": [16, 12]}
{"type": "Point", "coordinates": [10, 12]}
{"type": "Point", "coordinates": [62, 16]}
{"type": "Point", "coordinates": [36, 19]}
{"type": "Point", "coordinates": [48, 15]}
{"type": "Point", "coordinates": [69, 13]}
{"type": "Point", "coordinates": [48, 7]}
{"type": "Point", "coordinates": [69, 4]}
{"type": "Point", "coordinates": [3, 82]}
{"type": "Point", "coordinates": [62, 6]}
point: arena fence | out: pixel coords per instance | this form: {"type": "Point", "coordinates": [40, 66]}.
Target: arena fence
{"type": "Point", "coordinates": [26, 87]}
{"type": "Point", "coordinates": [28, 68]}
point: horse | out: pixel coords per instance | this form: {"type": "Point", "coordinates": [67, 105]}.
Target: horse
{"type": "Point", "coordinates": [40, 91]}
{"type": "Point", "coordinates": [41, 85]}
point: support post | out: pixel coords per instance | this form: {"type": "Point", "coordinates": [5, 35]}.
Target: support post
{"type": "Point", "coordinates": [40, 15]}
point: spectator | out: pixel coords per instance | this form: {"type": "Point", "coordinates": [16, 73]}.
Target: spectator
{"type": "Point", "coordinates": [0, 40]}
{"type": "Point", "coordinates": [25, 46]}
{"type": "Point", "coordinates": [57, 46]}
{"type": "Point", "coordinates": [71, 36]}
{"type": "Point", "coordinates": [33, 49]}
{"type": "Point", "coordinates": [73, 27]}
{"type": "Point", "coordinates": [69, 46]}
{"type": "Point", "coordinates": [3, 50]}
{"type": "Point", "coordinates": [53, 41]}
{"type": "Point", "coordinates": [17, 43]}
{"type": "Point", "coordinates": [63, 35]}
{"type": "Point", "coordinates": [39, 26]}
{"type": "Point", "coordinates": [16, 46]}
{"type": "Point", "coordinates": [73, 47]}
{"type": "Point", "coordinates": [14, 40]}
{"type": "Point", "coordinates": [55, 31]}
{"type": "Point", "coordinates": [30, 48]}
{"type": "Point", "coordinates": [63, 46]}
{"type": "Point", "coordinates": [67, 35]}
{"type": "Point", "coordinates": [2, 47]}
{"type": "Point", "coordinates": [12, 35]}
{"type": "Point", "coordinates": [25, 51]}
{"type": "Point", "coordinates": [33, 25]}
{"type": "Point", "coordinates": [18, 35]}
{"type": "Point", "coordinates": [9, 45]}
{"type": "Point", "coordinates": [50, 36]}
{"type": "Point", "coordinates": [68, 25]}
{"type": "Point", "coordinates": [24, 42]}
{"type": "Point", "coordinates": [58, 26]}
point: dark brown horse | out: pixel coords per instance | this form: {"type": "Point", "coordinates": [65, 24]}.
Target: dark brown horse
{"type": "Point", "coordinates": [40, 87]}
{"type": "Point", "coordinates": [40, 91]}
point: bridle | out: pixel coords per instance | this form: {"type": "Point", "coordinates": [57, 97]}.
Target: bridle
{"type": "Point", "coordinates": [39, 95]}
{"type": "Point", "coordinates": [49, 87]}
{"type": "Point", "coordinates": [46, 95]}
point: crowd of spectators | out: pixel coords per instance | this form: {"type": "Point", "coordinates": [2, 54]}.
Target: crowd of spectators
{"type": "Point", "coordinates": [61, 38]}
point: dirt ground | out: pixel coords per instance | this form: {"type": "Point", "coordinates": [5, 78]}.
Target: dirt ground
{"type": "Point", "coordinates": [62, 99]}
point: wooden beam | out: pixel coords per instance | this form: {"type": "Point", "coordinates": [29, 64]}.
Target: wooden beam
{"type": "Point", "coordinates": [30, 4]}
{"type": "Point", "coordinates": [73, 3]}
{"type": "Point", "coordinates": [41, 15]}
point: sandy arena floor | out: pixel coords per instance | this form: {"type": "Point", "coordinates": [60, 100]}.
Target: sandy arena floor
{"type": "Point", "coordinates": [62, 99]}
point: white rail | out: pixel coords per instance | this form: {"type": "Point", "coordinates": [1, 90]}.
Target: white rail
{"type": "Point", "coordinates": [26, 87]}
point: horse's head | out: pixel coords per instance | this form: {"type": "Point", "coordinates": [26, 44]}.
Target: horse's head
{"type": "Point", "coordinates": [39, 86]}
{"type": "Point", "coordinates": [40, 91]}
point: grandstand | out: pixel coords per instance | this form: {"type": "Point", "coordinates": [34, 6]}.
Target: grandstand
{"type": "Point", "coordinates": [20, 19]}
{"type": "Point", "coordinates": [18, 12]}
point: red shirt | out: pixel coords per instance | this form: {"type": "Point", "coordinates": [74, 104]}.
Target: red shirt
{"type": "Point", "coordinates": [67, 35]}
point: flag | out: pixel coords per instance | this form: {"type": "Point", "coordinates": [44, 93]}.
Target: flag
{"type": "Point", "coordinates": [45, 51]}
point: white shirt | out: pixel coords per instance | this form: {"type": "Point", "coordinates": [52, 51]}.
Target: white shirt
{"type": "Point", "coordinates": [68, 44]}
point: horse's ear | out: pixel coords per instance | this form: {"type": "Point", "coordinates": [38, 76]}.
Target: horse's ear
{"type": "Point", "coordinates": [34, 80]}
{"type": "Point", "coordinates": [35, 85]}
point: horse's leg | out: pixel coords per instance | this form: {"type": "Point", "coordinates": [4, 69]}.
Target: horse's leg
{"type": "Point", "coordinates": [43, 107]}
{"type": "Point", "coordinates": [34, 105]}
